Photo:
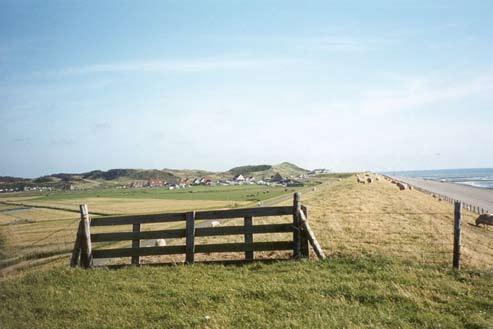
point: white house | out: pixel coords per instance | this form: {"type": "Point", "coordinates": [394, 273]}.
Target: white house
{"type": "Point", "coordinates": [239, 178]}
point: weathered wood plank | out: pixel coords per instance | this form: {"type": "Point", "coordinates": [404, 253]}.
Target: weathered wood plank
{"type": "Point", "coordinates": [311, 237]}
{"type": "Point", "coordinates": [147, 251]}
{"type": "Point", "coordinates": [239, 247]}
{"type": "Point", "coordinates": [86, 246]}
{"type": "Point", "coordinates": [233, 230]}
{"type": "Point", "coordinates": [138, 219]}
{"type": "Point", "coordinates": [244, 212]}
{"type": "Point", "coordinates": [174, 217]}
{"type": "Point", "coordinates": [190, 239]}
{"type": "Point", "coordinates": [122, 236]}
{"type": "Point", "coordinates": [136, 244]}
{"type": "Point", "coordinates": [304, 249]}
{"type": "Point", "coordinates": [199, 232]}
{"type": "Point", "coordinates": [74, 260]}
{"type": "Point", "coordinates": [248, 223]}
{"type": "Point", "coordinates": [170, 250]}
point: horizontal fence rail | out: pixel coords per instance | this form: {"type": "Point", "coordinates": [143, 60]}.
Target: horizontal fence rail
{"type": "Point", "coordinates": [302, 235]}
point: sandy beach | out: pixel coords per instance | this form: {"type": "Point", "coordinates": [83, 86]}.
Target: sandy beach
{"type": "Point", "coordinates": [480, 197]}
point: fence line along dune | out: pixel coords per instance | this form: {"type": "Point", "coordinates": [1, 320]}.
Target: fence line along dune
{"type": "Point", "coordinates": [352, 218]}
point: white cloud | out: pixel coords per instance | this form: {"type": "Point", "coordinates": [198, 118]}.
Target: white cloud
{"type": "Point", "coordinates": [159, 66]}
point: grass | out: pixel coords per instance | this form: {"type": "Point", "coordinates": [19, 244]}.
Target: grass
{"type": "Point", "coordinates": [350, 218]}
{"type": "Point", "coordinates": [389, 267]}
{"type": "Point", "coordinates": [218, 193]}
{"type": "Point", "coordinates": [30, 234]}
{"type": "Point", "coordinates": [350, 292]}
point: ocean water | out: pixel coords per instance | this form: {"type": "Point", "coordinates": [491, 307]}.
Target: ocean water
{"type": "Point", "coordinates": [482, 178]}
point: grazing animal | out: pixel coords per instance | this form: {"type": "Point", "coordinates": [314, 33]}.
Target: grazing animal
{"type": "Point", "coordinates": [369, 180]}
{"type": "Point", "coordinates": [401, 186]}
{"type": "Point", "coordinates": [485, 219]}
{"type": "Point", "coordinates": [160, 243]}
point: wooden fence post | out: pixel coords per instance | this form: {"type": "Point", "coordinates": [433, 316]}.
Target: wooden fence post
{"type": "Point", "coordinates": [136, 244]}
{"type": "Point", "coordinates": [85, 237]}
{"type": "Point", "coordinates": [190, 237]}
{"type": "Point", "coordinates": [457, 239]}
{"type": "Point", "coordinates": [75, 259]}
{"type": "Point", "coordinates": [305, 252]}
{"type": "Point", "coordinates": [296, 225]}
{"type": "Point", "coordinates": [248, 224]}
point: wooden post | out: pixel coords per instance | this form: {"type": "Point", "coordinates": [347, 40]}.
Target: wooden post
{"type": "Point", "coordinates": [305, 252]}
{"type": "Point", "coordinates": [457, 242]}
{"type": "Point", "coordinates": [86, 248]}
{"type": "Point", "coordinates": [74, 260]}
{"type": "Point", "coordinates": [190, 237]}
{"type": "Point", "coordinates": [296, 225]}
{"type": "Point", "coordinates": [135, 244]}
{"type": "Point", "coordinates": [248, 223]}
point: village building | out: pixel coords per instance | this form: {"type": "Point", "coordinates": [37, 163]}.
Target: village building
{"type": "Point", "coordinates": [277, 178]}
{"type": "Point", "coordinates": [239, 178]}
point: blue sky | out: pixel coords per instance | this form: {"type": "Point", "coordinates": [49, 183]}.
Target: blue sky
{"type": "Point", "coordinates": [380, 85]}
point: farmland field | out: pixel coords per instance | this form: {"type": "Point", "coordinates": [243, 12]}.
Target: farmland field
{"type": "Point", "coordinates": [41, 225]}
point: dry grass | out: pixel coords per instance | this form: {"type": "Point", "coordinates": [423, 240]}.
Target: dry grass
{"type": "Point", "coordinates": [129, 205]}
{"type": "Point", "coordinates": [30, 234]}
{"type": "Point", "coordinates": [348, 219]}
{"type": "Point", "coordinates": [352, 218]}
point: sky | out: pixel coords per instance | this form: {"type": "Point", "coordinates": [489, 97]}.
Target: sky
{"type": "Point", "coordinates": [352, 85]}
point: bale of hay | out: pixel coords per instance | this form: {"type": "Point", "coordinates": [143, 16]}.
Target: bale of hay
{"type": "Point", "coordinates": [215, 223]}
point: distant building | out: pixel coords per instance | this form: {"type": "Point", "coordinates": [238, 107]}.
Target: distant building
{"type": "Point", "coordinates": [277, 178]}
{"type": "Point", "coordinates": [239, 178]}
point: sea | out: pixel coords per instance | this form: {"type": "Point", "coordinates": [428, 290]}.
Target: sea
{"type": "Point", "coordinates": [482, 178]}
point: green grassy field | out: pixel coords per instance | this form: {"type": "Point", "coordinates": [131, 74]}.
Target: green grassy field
{"type": "Point", "coordinates": [358, 292]}
{"type": "Point", "coordinates": [388, 267]}
{"type": "Point", "coordinates": [223, 193]}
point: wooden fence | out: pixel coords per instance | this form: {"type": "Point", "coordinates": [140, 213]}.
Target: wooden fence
{"type": "Point", "coordinates": [83, 253]}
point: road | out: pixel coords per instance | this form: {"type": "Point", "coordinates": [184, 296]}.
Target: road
{"type": "Point", "coordinates": [476, 196]}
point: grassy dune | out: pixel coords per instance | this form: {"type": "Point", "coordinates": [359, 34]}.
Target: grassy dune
{"type": "Point", "coordinates": [351, 218]}
{"type": "Point", "coordinates": [389, 267]}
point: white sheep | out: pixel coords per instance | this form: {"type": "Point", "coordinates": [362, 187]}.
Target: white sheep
{"type": "Point", "coordinates": [160, 243]}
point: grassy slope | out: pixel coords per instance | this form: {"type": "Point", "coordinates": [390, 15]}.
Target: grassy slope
{"type": "Point", "coordinates": [357, 287]}
{"type": "Point", "coordinates": [343, 292]}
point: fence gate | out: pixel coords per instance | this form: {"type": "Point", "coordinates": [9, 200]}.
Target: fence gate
{"type": "Point", "coordinates": [302, 235]}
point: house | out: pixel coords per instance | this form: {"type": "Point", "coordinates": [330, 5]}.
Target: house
{"type": "Point", "coordinates": [205, 181]}
{"type": "Point", "coordinates": [277, 178]}
{"type": "Point", "coordinates": [155, 182]}
{"type": "Point", "coordinates": [239, 178]}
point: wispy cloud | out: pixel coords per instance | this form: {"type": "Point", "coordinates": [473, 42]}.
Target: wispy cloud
{"type": "Point", "coordinates": [349, 44]}
{"type": "Point", "coordinates": [160, 66]}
